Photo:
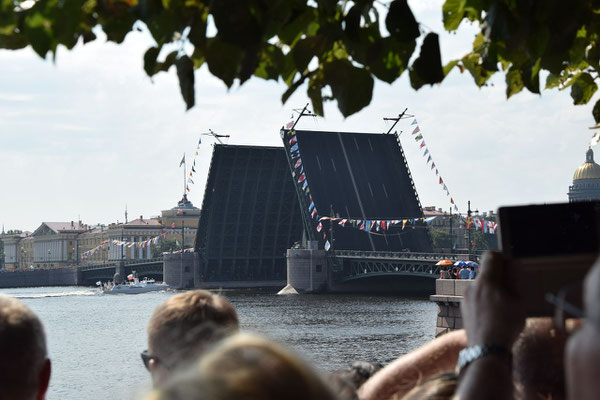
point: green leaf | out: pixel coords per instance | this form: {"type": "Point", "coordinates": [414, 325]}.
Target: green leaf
{"type": "Point", "coordinates": [427, 69]}
{"type": "Point", "coordinates": [37, 30]}
{"type": "Point", "coordinates": [298, 25]}
{"type": "Point", "coordinates": [401, 23]}
{"type": "Point", "coordinates": [314, 91]}
{"type": "Point", "coordinates": [352, 87]}
{"type": "Point", "coordinates": [596, 112]}
{"type": "Point", "coordinates": [514, 81]}
{"type": "Point", "coordinates": [185, 73]}
{"type": "Point", "coordinates": [448, 67]}
{"type": "Point", "coordinates": [223, 59]}
{"type": "Point", "coordinates": [237, 22]}
{"type": "Point", "coordinates": [531, 78]}
{"type": "Point", "coordinates": [306, 49]}
{"type": "Point", "coordinates": [583, 88]}
{"type": "Point", "coordinates": [150, 57]}
{"type": "Point", "coordinates": [13, 42]}
{"type": "Point", "coordinates": [472, 62]}
{"type": "Point", "coordinates": [352, 22]}
{"type": "Point", "coordinates": [292, 88]}
{"type": "Point", "coordinates": [271, 62]}
{"type": "Point", "coordinates": [169, 61]}
{"type": "Point", "coordinates": [387, 58]}
{"type": "Point", "coordinates": [452, 13]}
{"type": "Point", "coordinates": [552, 81]}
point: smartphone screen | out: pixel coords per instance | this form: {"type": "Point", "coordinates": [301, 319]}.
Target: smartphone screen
{"type": "Point", "coordinates": [550, 230]}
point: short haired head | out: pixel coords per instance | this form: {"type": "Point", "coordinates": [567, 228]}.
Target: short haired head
{"type": "Point", "coordinates": [538, 368]}
{"type": "Point", "coordinates": [250, 368]}
{"type": "Point", "coordinates": [185, 326]}
{"type": "Point", "coordinates": [24, 365]}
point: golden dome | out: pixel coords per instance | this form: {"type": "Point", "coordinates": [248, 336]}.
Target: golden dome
{"type": "Point", "coordinates": [589, 169]}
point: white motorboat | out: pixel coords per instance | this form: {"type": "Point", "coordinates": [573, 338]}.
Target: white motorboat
{"type": "Point", "coordinates": [134, 286]}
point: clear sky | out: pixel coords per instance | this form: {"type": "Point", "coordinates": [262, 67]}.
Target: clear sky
{"type": "Point", "coordinates": [90, 133]}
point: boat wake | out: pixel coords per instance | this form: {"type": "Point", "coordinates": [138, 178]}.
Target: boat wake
{"type": "Point", "coordinates": [57, 294]}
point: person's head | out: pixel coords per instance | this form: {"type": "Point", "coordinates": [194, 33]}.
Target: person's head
{"type": "Point", "coordinates": [185, 326]}
{"type": "Point", "coordinates": [24, 363]}
{"type": "Point", "coordinates": [583, 348]}
{"type": "Point", "coordinates": [246, 367]}
{"type": "Point", "coordinates": [345, 382]}
{"type": "Point", "coordinates": [538, 368]}
{"type": "Point", "coordinates": [440, 387]}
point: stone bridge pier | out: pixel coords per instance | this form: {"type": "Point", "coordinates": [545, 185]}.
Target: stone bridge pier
{"type": "Point", "coordinates": [448, 295]}
{"type": "Point", "coordinates": [307, 270]}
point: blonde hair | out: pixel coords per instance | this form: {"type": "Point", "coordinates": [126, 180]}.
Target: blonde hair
{"type": "Point", "coordinates": [188, 323]}
{"type": "Point", "coordinates": [22, 349]}
{"type": "Point", "coordinates": [247, 367]}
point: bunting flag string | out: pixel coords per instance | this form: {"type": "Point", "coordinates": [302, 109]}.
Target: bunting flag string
{"type": "Point", "coordinates": [485, 226]}
{"type": "Point", "coordinates": [419, 137]}
{"type": "Point", "coordinates": [140, 244]}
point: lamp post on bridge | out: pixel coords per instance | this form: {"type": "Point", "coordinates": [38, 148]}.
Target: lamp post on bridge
{"type": "Point", "coordinates": [469, 225]}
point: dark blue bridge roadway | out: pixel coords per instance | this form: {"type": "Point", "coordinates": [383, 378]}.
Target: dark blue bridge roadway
{"type": "Point", "coordinates": [360, 176]}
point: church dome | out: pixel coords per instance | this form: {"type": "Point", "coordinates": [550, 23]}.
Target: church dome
{"type": "Point", "coordinates": [589, 169]}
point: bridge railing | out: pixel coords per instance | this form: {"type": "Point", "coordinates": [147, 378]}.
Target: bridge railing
{"type": "Point", "coordinates": [400, 255]}
{"type": "Point", "coordinates": [374, 267]}
{"type": "Point", "coordinates": [95, 266]}
{"type": "Point", "coordinates": [148, 261]}
{"type": "Point", "coordinates": [90, 267]}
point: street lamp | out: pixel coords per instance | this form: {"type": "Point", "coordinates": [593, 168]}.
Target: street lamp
{"type": "Point", "coordinates": [470, 221]}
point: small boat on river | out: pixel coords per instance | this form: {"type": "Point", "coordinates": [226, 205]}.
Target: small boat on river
{"type": "Point", "coordinates": [134, 286]}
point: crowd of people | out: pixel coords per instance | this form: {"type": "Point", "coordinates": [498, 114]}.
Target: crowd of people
{"type": "Point", "coordinates": [458, 272]}
{"type": "Point", "coordinates": [196, 351]}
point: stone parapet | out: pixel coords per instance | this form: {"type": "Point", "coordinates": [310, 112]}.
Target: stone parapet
{"type": "Point", "coordinates": [448, 295]}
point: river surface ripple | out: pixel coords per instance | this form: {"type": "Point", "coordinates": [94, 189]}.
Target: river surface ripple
{"type": "Point", "coordinates": [95, 340]}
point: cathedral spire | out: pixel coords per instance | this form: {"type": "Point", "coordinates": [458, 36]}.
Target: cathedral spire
{"type": "Point", "coordinates": [589, 156]}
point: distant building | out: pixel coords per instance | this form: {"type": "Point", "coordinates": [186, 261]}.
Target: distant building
{"type": "Point", "coordinates": [136, 231]}
{"type": "Point", "coordinates": [55, 244]}
{"type": "Point", "coordinates": [184, 217]}
{"type": "Point", "coordinates": [18, 250]}
{"type": "Point", "coordinates": [586, 180]}
{"type": "Point", "coordinates": [454, 226]}
{"type": "Point", "coordinates": [90, 240]}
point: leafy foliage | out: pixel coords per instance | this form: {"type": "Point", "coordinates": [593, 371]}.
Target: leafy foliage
{"type": "Point", "coordinates": [336, 48]}
{"type": "Point", "coordinates": [326, 44]}
{"type": "Point", "coordinates": [522, 38]}
{"type": "Point", "coordinates": [441, 239]}
{"type": "Point", "coordinates": [484, 241]}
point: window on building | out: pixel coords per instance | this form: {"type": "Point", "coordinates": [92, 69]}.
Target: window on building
{"type": "Point", "coordinates": [319, 268]}
{"type": "Point", "coordinates": [186, 269]}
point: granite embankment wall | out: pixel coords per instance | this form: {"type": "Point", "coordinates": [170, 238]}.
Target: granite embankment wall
{"type": "Point", "coordinates": [448, 295]}
{"type": "Point", "coordinates": [45, 277]}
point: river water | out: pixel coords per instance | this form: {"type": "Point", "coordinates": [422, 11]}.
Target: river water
{"type": "Point", "coordinates": [94, 340]}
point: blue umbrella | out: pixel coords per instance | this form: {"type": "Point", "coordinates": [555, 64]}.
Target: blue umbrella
{"type": "Point", "coordinates": [472, 264]}
{"type": "Point", "coordinates": [460, 263]}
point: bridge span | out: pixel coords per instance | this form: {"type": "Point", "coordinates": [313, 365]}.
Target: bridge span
{"type": "Point", "coordinates": [90, 274]}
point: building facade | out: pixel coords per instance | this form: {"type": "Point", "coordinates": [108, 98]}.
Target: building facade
{"type": "Point", "coordinates": [55, 244]}
{"type": "Point", "coordinates": [18, 250]}
{"type": "Point", "coordinates": [181, 222]}
{"type": "Point", "coordinates": [586, 180]}
{"type": "Point", "coordinates": [133, 233]}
